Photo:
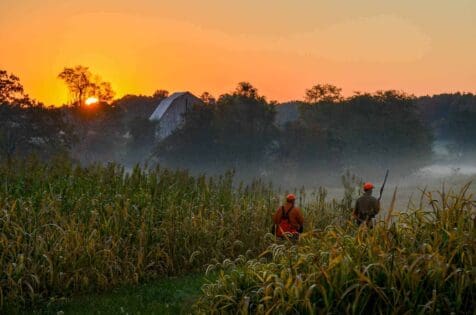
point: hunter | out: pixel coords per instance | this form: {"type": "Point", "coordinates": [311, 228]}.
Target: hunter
{"type": "Point", "coordinates": [367, 206]}
{"type": "Point", "coordinates": [288, 219]}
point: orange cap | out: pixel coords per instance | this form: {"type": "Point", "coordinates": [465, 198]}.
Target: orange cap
{"type": "Point", "coordinates": [368, 186]}
{"type": "Point", "coordinates": [291, 197]}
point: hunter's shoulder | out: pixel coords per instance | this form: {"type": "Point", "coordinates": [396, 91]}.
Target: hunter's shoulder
{"type": "Point", "coordinates": [367, 198]}
{"type": "Point", "coordinates": [372, 199]}
{"type": "Point", "coordinates": [297, 210]}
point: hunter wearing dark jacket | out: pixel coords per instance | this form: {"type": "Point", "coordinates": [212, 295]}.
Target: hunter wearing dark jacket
{"type": "Point", "coordinates": [367, 206]}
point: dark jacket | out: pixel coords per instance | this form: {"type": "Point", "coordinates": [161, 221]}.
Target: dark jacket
{"type": "Point", "coordinates": [366, 207]}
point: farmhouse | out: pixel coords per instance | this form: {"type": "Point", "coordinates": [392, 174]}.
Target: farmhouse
{"type": "Point", "coordinates": [170, 112]}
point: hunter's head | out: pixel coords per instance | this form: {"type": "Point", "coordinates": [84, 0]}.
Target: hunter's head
{"type": "Point", "coordinates": [291, 198]}
{"type": "Point", "coordinates": [368, 187]}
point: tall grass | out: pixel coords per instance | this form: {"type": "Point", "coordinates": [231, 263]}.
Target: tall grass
{"type": "Point", "coordinates": [66, 229]}
{"type": "Point", "coordinates": [421, 261]}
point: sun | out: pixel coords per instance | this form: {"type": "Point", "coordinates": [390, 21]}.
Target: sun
{"type": "Point", "coordinates": [91, 100]}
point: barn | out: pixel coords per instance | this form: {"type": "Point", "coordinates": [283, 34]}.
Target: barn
{"type": "Point", "coordinates": [169, 113]}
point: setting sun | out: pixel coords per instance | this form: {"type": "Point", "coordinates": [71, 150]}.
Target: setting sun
{"type": "Point", "coordinates": [91, 100]}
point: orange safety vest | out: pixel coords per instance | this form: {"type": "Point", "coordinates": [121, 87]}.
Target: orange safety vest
{"type": "Point", "coordinates": [284, 225]}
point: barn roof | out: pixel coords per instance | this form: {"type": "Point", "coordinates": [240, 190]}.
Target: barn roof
{"type": "Point", "coordinates": [164, 105]}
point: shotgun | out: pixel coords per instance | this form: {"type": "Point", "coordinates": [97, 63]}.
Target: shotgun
{"type": "Point", "coordinates": [383, 186]}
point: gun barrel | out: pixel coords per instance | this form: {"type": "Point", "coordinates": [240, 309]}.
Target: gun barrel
{"type": "Point", "coordinates": [383, 185]}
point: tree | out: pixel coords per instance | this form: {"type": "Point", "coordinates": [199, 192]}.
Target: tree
{"type": "Point", "coordinates": [26, 126]}
{"type": "Point", "coordinates": [11, 90]}
{"type": "Point", "coordinates": [237, 131]}
{"type": "Point", "coordinates": [323, 93]}
{"type": "Point", "coordinates": [365, 132]}
{"type": "Point", "coordinates": [78, 80]}
{"type": "Point", "coordinates": [100, 131]}
{"type": "Point", "coordinates": [194, 144]}
{"type": "Point", "coordinates": [142, 132]}
{"type": "Point", "coordinates": [139, 106]}
{"type": "Point", "coordinates": [103, 91]}
{"type": "Point", "coordinates": [207, 98]}
{"type": "Point", "coordinates": [247, 90]}
{"type": "Point", "coordinates": [381, 129]}
{"type": "Point", "coordinates": [161, 94]}
{"type": "Point", "coordinates": [82, 84]}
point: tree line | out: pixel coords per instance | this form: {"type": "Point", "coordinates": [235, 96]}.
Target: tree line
{"type": "Point", "coordinates": [238, 129]}
{"type": "Point", "coordinates": [332, 133]}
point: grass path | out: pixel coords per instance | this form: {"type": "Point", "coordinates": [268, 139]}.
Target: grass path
{"type": "Point", "coordinates": [173, 295]}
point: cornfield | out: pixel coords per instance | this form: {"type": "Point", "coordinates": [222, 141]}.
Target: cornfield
{"type": "Point", "coordinates": [67, 230]}
{"type": "Point", "coordinates": [416, 262]}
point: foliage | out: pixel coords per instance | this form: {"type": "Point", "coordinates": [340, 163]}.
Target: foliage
{"type": "Point", "coordinates": [207, 98]}
{"type": "Point", "coordinates": [247, 90]}
{"type": "Point", "coordinates": [423, 262]}
{"type": "Point", "coordinates": [142, 132]}
{"type": "Point", "coordinates": [234, 132]}
{"type": "Point", "coordinates": [245, 125]}
{"type": "Point", "coordinates": [452, 119]}
{"type": "Point", "coordinates": [117, 132]}
{"type": "Point", "coordinates": [141, 139]}
{"type": "Point", "coordinates": [83, 84]}
{"type": "Point", "coordinates": [34, 129]}
{"type": "Point", "coordinates": [327, 93]}
{"type": "Point", "coordinates": [462, 129]}
{"type": "Point", "coordinates": [27, 126]}
{"type": "Point", "coordinates": [100, 131]}
{"type": "Point", "coordinates": [160, 94]}
{"type": "Point", "coordinates": [139, 106]}
{"type": "Point", "coordinates": [11, 90]}
{"type": "Point", "coordinates": [67, 229]}
{"type": "Point", "coordinates": [193, 145]}
{"type": "Point", "coordinates": [364, 131]}
{"type": "Point", "coordinates": [172, 295]}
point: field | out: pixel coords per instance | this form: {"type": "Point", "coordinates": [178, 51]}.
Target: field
{"type": "Point", "coordinates": [70, 231]}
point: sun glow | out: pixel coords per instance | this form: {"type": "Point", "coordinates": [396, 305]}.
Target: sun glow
{"type": "Point", "coordinates": [91, 100]}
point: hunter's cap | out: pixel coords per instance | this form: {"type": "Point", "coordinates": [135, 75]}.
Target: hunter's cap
{"type": "Point", "coordinates": [291, 197]}
{"type": "Point", "coordinates": [368, 186]}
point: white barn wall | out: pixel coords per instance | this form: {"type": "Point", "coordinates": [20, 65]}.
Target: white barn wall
{"type": "Point", "coordinates": [173, 117]}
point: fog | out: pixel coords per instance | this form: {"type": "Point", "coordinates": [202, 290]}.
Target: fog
{"type": "Point", "coordinates": [447, 170]}
{"type": "Point", "coordinates": [409, 188]}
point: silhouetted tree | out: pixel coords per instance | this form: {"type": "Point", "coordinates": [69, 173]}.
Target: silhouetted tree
{"type": "Point", "coordinates": [138, 106]}
{"type": "Point", "coordinates": [323, 93]}
{"type": "Point", "coordinates": [141, 139]}
{"type": "Point", "coordinates": [160, 94]}
{"type": "Point", "coordinates": [27, 126]}
{"type": "Point", "coordinates": [207, 98]}
{"type": "Point", "coordinates": [366, 131]}
{"type": "Point", "coordinates": [82, 84]}
{"type": "Point", "coordinates": [11, 90]}
{"type": "Point", "coordinates": [234, 132]}
{"type": "Point", "coordinates": [103, 91]}
{"type": "Point", "coordinates": [247, 90]}
{"type": "Point", "coordinates": [452, 120]}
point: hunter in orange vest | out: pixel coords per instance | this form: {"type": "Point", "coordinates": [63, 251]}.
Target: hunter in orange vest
{"type": "Point", "coordinates": [288, 218]}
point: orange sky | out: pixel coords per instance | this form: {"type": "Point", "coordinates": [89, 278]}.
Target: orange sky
{"type": "Point", "coordinates": [281, 46]}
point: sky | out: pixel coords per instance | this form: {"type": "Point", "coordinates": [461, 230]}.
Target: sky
{"type": "Point", "coordinates": [281, 46]}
